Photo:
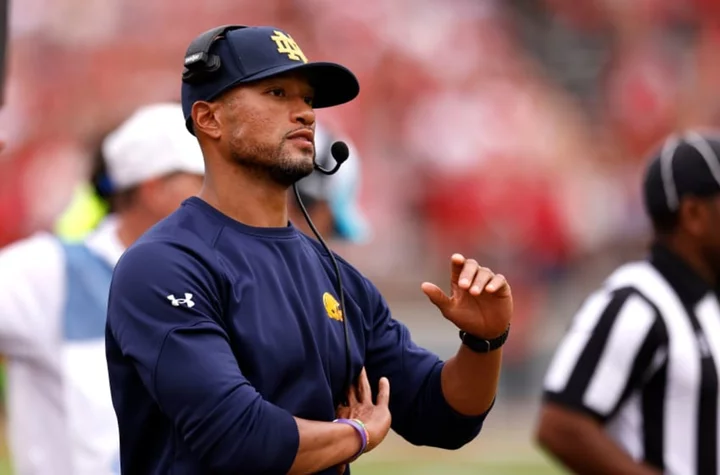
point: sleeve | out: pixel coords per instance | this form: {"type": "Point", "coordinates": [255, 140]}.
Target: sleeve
{"type": "Point", "coordinates": [612, 346]}
{"type": "Point", "coordinates": [32, 283]}
{"type": "Point", "coordinates": [165, 312]}
{"type": "Point", "coordinates": [420, 413]}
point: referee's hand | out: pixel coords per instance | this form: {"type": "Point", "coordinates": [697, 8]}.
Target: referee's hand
{"type": "Point", "coordinates": [376, 417]}
{"type": "Point", "coordinates": [480, 301]}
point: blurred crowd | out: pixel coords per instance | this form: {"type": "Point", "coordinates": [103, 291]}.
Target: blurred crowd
{"type": "Point", "coordinates": [512, 130]}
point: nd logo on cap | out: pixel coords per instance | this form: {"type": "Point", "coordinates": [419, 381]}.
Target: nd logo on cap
{"type": "Point", "coordinates": [287, 45]}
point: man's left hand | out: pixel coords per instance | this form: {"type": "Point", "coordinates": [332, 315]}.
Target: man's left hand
{"type": "Point", "coordinates": [480, 302]}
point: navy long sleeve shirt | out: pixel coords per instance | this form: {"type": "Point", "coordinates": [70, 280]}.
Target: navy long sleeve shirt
{"type": "Point", "coordinates": [219, 333]}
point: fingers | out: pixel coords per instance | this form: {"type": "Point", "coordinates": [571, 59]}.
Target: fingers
{"type": "Point", "coordinates": [457, 261]}
{"type": "Point", "coordinates": [467, 273]}
{"type": "Point", "coordinates": [363, 387]}
{"type": "Point", "coordinates": [383, 397]}
{"type": "Point", "coordinates": [498, 285]}
{"type": "Point", "coordinates": [482, 279]}
{"type": "Point", "coordinates": [435, 294]}
{"type": "Point", "coordinates": [352, 395]}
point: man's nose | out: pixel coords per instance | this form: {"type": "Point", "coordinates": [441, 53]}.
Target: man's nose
{"type": "Point", "coordinates": [305, 115]}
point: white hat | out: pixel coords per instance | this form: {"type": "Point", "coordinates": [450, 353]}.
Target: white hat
{"type": "Point", "coordinates": [151, 143]}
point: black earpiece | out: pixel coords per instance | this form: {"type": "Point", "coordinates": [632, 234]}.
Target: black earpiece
{"type": "Point", "coordinates": [199, 64]}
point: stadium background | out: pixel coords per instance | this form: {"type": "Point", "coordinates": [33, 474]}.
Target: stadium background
{"type": "Point", "coordinates": [510, 130]}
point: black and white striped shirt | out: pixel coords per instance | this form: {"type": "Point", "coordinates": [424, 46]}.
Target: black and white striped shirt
{"type": "Point", "coordinates": [642, 356]}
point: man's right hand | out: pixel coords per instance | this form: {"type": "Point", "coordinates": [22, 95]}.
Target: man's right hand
{"type": "Point", "coordinates": [376, 417]}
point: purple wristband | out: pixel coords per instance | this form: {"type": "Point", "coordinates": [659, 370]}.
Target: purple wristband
{"type": "Point", "coordinates": [360, 428]}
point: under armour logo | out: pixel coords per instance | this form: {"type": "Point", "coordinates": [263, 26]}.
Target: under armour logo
{"type": "Point", "coordinates": [286, 45]}
{"type": "Point", "coordinates": [177, 302]}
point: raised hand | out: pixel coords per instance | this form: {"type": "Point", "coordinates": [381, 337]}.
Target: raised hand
{"type": "Point", "coordinates": [480, 301]}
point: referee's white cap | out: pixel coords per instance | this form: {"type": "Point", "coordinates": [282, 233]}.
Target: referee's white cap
{"type": "Point", "coordinates": [153, 142]}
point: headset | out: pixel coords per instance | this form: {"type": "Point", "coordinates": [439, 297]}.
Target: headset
{"type": "Point", "coordinates": [200, 66]}
{"type": "Point", "coordinates": [340, 152]}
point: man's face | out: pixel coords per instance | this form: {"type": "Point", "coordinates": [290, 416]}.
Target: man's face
{"type": "Point", "coordinates": [710, 238]}
{"type": "Point", "coordinates": [164, 195]}
{"type": "Point", "coordinates": [269, 126]}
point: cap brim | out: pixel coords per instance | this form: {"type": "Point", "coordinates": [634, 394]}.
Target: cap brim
{"type": "Point", "coordinates": [334, 84]}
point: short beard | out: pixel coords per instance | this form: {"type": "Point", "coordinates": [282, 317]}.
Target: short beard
{"type": "Point", "coordinates": [277, 167]}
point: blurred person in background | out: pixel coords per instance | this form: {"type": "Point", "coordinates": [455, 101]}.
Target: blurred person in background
{"type": "Point", "coordinates": [633, 388]}
{"type": "Point", "coordinates": [52, 321]}
{"type": "Point", "coordinates": [331, 201]}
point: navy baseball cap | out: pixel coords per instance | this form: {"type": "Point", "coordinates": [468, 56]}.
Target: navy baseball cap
{"type": "Point", "coordinates": [685, 165]}
{"type": "Point", "coordinates": [225, 57]}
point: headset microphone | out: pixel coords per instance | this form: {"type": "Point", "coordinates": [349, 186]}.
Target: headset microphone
{"type": "Point", "coordinates": [340, 153]}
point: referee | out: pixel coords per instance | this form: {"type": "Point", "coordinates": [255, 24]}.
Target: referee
{"type": "Point", "coordinates": [633, 388]}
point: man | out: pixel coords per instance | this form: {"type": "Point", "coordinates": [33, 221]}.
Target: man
{"type": "Point", "coordinates": [331, 200]}
{"type": "Point", "coordinates": [225, 337]}
{"type": "Point", "coordinates": [633, 388]}
{"type": "Point", "coordinates": [52, 317]}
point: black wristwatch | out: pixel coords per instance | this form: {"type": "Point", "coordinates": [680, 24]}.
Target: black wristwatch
{"type": "Point", "coordinates": [480, 345]}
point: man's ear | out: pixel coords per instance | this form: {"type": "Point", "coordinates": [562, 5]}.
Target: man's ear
{"type": "Point", "coordinates": [207, 119]}
{"type": "Point", "coordinates": [693, 215]}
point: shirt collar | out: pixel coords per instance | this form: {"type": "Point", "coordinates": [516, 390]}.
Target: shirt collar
{"type": "Point", "coordinates": [690, 287]}
{"type": "Point", "coordinates": [105, 242]}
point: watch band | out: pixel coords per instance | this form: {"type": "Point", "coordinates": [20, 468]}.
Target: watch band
{"type": "Point", "coordinates": [481, 345]}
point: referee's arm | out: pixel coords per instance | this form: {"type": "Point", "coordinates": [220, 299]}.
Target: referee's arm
{"type": "Point", "coordinates": [610, 349]}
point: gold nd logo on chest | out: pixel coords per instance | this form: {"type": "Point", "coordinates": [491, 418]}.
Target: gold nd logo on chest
{"type": "Point", "coordinates": [332, 307]}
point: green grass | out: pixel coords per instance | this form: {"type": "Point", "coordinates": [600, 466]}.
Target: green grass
{"type": "Point", "coordinates": [445, 468]}
{"type": "Point", "coordinates": [525, 464]}
{"type": "Point", "coordinates": [433, 468]}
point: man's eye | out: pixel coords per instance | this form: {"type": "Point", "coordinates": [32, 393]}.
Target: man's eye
{"type": "Point", "coordinates": [309, 100]}
{"type": "Point", "coordinates": [277, 92]}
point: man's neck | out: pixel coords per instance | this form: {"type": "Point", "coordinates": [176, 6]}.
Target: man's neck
{"type": "Point", "coordinates": [690, 255]}
{"type": "Point", "coordinates": [131, 225]}
{"type": "Point", "coordinates": [250, 199]}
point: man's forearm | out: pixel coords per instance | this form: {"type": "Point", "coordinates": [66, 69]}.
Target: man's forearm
{"type": "Point", "coordinates": [323, 445]}
{"type": "Point", "coordinates": [582, 445]}
{"type": "Point", "coordinates": [598, 457]}
{"type": "Point", "coordinates": [470, 380]}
